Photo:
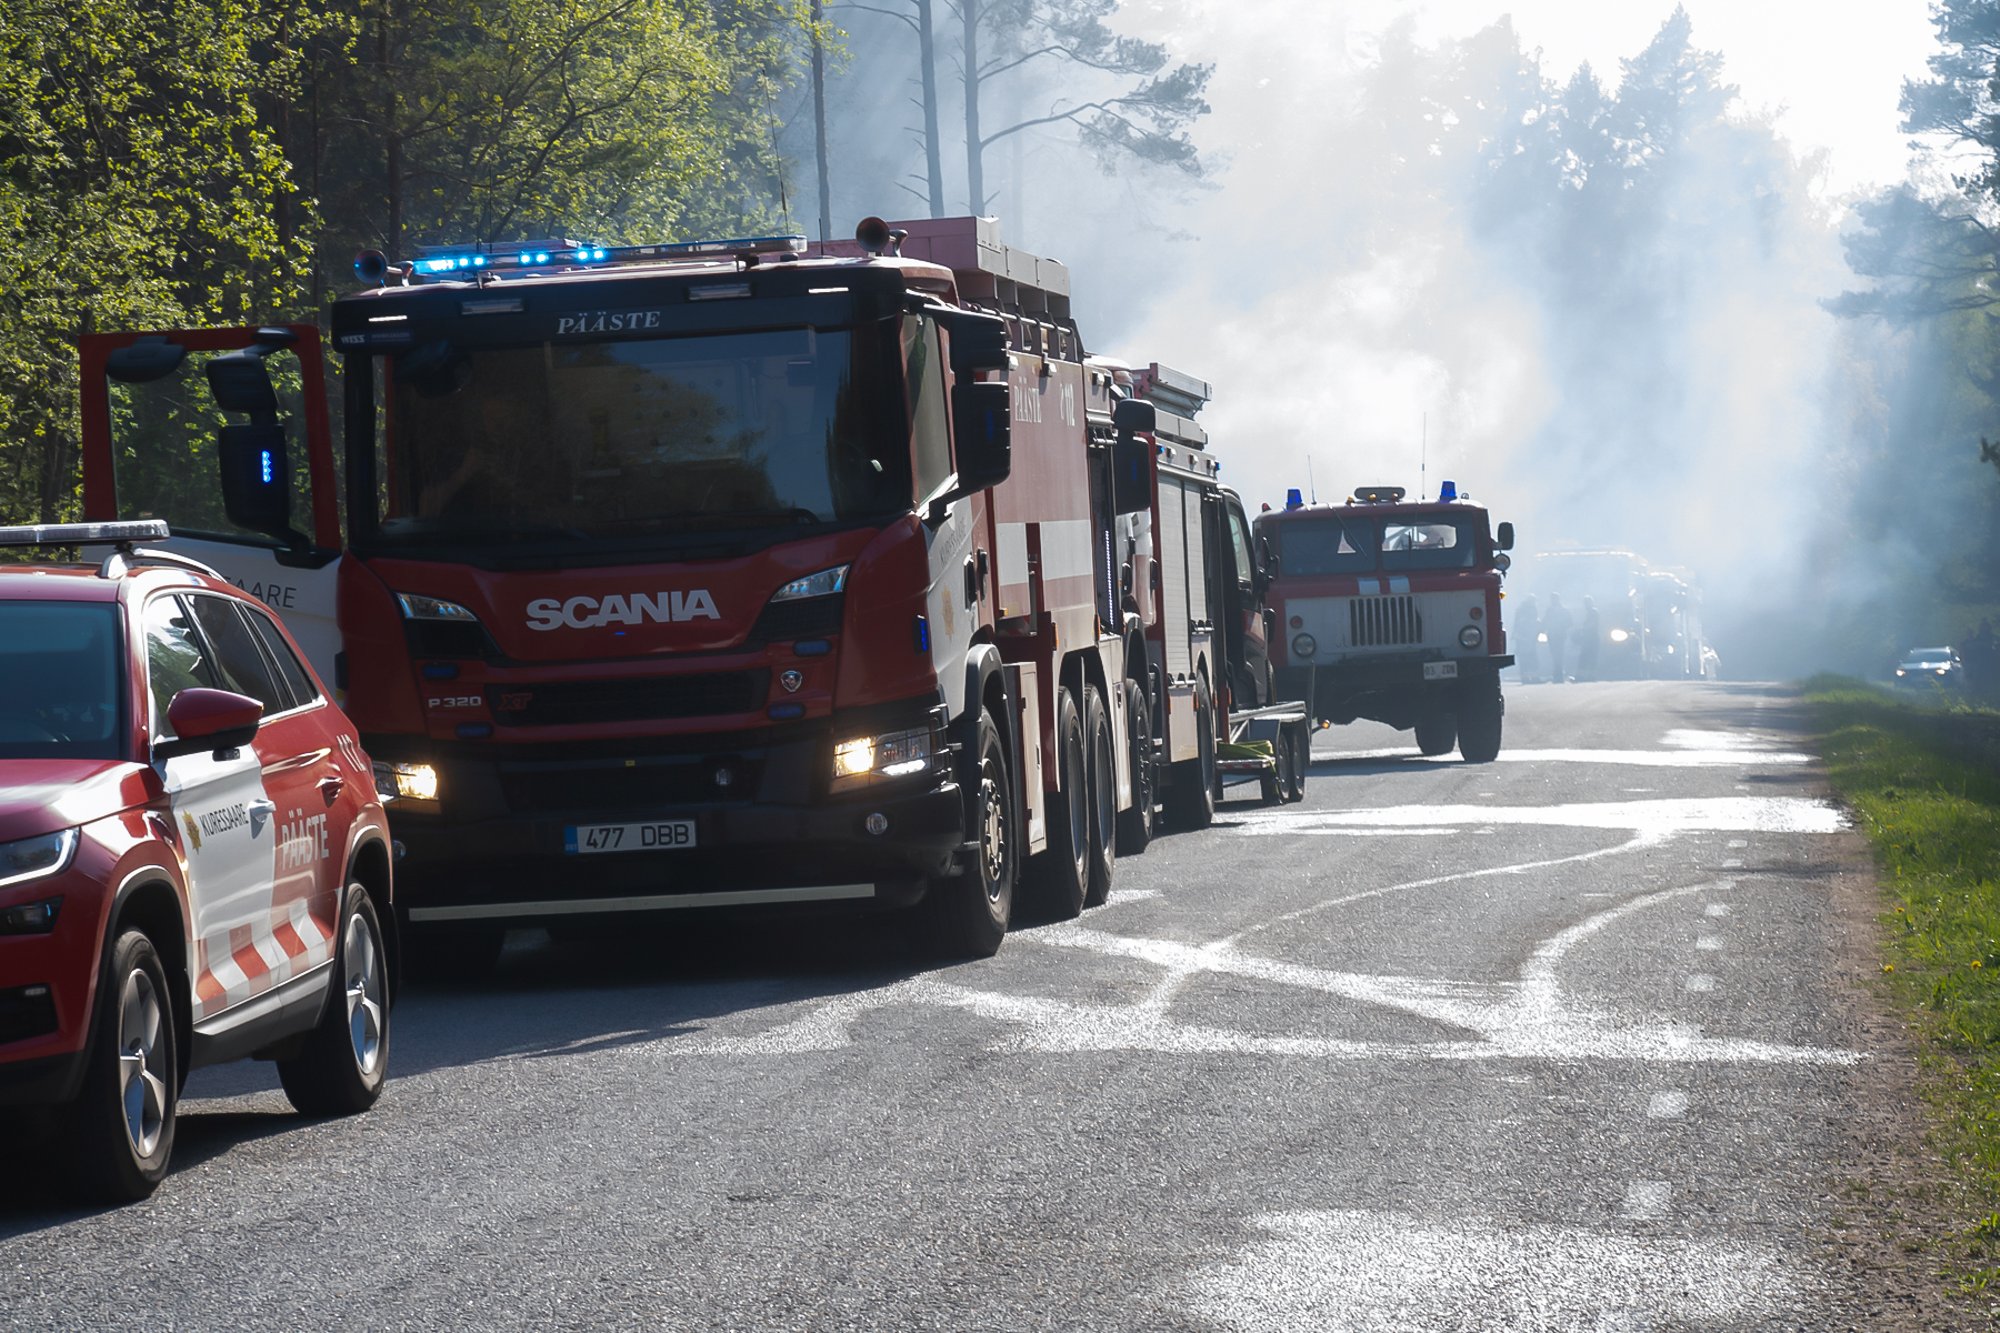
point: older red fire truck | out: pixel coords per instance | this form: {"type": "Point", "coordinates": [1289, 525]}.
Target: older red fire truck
{"type": "Point", "coordinates": [694, 575]}
{"type": "Point", "coordinates": [1390, 610]}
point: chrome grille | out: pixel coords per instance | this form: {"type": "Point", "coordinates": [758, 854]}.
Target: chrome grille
{"type": "Point", "coordinates": [1384, 622]}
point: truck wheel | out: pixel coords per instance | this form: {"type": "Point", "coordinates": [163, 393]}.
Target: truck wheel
{"type": "Point", "coordinates": [1191, 795]}
{"type": "Point", "coordinates": [1103, 798]}
{"type": "Point", "coordinates": [1135, 826]}
{"type": "Point", "coordinates": [1437, 733]}
{"type": "Point", "coordinates": [123, 1127]}
{"type": "Point", "coordinates": [1060, 876]}
{"type": "Point", "coordinates": [341, 1069]}
{"type": "Point", "coordinates": [966, 914]}
{"type": "Point", "coordinates": [1479, 712]}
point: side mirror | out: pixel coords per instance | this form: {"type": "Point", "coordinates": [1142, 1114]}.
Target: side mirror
{"type": "Point", "coordinates": [209, 720]}
{"type": "Point", "coordinates": [982, 423]}
{"type": "Point", "coordinates": [1131, 457]}
{"type": "Point", "coordinates": [1504, 539]}
{"type": "Point", "coordinates": [144, 361]}
{"type": "Point", "coordinates": [256, 478]}
{"type": "Point", "coordinates": [978, 341]}
{"type": "Point", "coordinates": [1267, 554]}
{"type": "Point", "coordinates": [240, 382]}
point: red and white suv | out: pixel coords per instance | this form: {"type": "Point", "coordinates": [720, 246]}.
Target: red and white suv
{"type": "Point", "coordinates": [194, 862]}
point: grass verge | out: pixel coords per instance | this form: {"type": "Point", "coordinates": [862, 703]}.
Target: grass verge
{"type": "Point", "coordinates": [1923, 777]}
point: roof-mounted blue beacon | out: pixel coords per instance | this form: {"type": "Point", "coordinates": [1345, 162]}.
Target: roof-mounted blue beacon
{"type": "Point", "coordinates": [1295, 498]}
{"type": "Point", "coordinates": [1447, 490]}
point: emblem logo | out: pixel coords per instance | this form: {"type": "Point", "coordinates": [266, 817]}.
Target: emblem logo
{"type": "Point", "coordinates": [792, 680]}
{"type": "Point", "coordinates": [194, 830]}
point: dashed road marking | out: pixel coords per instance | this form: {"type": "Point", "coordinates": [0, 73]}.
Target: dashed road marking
{"type": "Point", "coordinates": [1646, 1200]}
{"type": "Point", "coordinates": [1699, 982]}
{"type": "Point", "coordinates": [1669, 1105]}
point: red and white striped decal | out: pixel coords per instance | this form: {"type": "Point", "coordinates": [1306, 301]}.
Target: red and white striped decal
{"type": "Point", "coordinates": [245, 961]}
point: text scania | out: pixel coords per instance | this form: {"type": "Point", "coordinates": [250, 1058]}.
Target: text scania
{"type": "Point", "coordinates": [620, 609]}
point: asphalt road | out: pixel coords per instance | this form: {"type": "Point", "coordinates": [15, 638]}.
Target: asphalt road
{"type": "Point", "coordinates": [1577, 1040]}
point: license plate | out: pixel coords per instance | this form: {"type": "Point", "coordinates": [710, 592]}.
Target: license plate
{"type": "Point", "coordinates": [1440, 671]}
{"type": "Point", "coordinates": [658, 835]}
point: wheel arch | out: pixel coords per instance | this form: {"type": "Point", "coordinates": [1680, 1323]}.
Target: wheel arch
{"type": "Point", "coordinates": [149, 901]}
{"type": "Point", "coordinates": [369, 866]}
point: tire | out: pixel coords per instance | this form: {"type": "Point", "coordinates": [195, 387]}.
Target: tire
{"type": "Point", "coordinates": [1437, 733]}
{"type": "Point", "coordinates": [1135, 826]}
{"type": "Point", "coordinates": [1191, 797]}
{"type": "Point", "coordinates": [345, 1060]}
{"type": "Point", "coordinates": [1059, 878]}
{"type": "Point", "coordinates": [123, 1125]}
{"type": "Point", "coordinates": [966, 915]}
{"type": "Point", "coordinates": [1480, 710]}
{"type": "Point", "coordinates": [1103, 798]}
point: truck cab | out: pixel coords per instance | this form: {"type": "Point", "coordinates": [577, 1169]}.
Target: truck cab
{"type": "Point", "coordinates": [1389, 609]}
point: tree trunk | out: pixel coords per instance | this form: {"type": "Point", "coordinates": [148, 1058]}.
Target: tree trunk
{"type": "Point", "coordinates": [933, 153]}
{"type": "Point", "coordinates": [975, 175]}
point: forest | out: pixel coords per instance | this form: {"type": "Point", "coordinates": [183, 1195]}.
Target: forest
{"type": "Point", "coordinates": [1632, 299]}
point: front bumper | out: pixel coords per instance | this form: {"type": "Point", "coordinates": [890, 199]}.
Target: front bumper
{"type": "Point", "coordinates": [496, 845]}
{"type": "Point", "coordinates": [1392, 689]}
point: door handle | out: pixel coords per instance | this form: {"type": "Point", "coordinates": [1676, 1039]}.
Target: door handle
{"type": "Point", "coordinates": [330, 788]}
{"type": "Point", "coordinates": [261, 807]}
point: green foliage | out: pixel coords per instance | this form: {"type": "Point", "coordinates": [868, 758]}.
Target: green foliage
{"type": "Point", "coordinates": [1923, 778]}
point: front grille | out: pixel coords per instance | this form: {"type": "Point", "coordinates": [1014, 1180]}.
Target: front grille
{"type": "Point", "coordinates": [644, 784]}
{"type": "Point", "coordinates": [1384, 622]}
{"type": "Point", "coordinates": [26, 1011]}
{"type": "Point", "coordinates": [646, 699]}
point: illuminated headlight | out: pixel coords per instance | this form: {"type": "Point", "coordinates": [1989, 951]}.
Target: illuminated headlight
{"type": "Point", "coordinates": [1541, 638]}
{"type": "Point", "coordinates": [410, 782]}
{"type": "Point", "coordinates": [1470, 637]}
{"type": "Point", "coordinates": [1941, 670]}
{"type": "Point", "coordinates": [1620, 635]}
{"type": "Point", "coordinates": [1899, 671]}
{"type": "Point", "coordinates": [894, 754]}
{"type": "Point", "coordinates": [1305, 645]}
{"type": "Point", "coordinates": [416, 606]}
{"type": "Point", "coordinates": [822, 584]}
{"type": "Point", "coordinates": [33, 858]}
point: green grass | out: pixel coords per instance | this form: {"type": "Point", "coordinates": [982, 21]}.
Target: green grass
{"type": "Point", "coordinates": [1923, 777]}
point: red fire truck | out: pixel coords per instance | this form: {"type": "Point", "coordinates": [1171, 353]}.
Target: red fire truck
{"type": "Point", "coordinates": [699, 575]}
{"type": "Point", "coordinates": [1390, 610]}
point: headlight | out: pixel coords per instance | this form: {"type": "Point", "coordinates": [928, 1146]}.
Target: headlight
{"type": "Point", "coordinates": [894, 754]}
{"type": "Point", "coordinates": [33, 858]}
{"type": "Point", "coordinates": [412, 782]}
{"type": "Point", "coordinates": [1470, 637]}
{"type": "Point", "coordinates": [416, 606]}
{"type": "Point", "coordinates": [1899, 671]}
{"type": "Point", "coordinates": [1305, 645]}
{"type": "Point", "coordinates": [1942, 670]}
{"type": "Point", "coordinates": [1619, 635]}
{"type": "Point", "coordinates": [822, 584]}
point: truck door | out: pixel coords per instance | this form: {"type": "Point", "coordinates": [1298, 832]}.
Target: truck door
{"type": "Point", "coordinates": [224, 434]}
{"type": "Point", "coordinates": [1249, 646]}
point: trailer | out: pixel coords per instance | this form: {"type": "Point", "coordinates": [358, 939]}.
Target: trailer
{"type": "Point", "coordinates": [1271, 747]}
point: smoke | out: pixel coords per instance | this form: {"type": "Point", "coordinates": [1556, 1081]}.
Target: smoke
{"type": "Point", "coordinates": [1595, 302]}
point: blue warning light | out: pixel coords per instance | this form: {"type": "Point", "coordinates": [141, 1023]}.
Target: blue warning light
{"type": "Point", "coordinates": [270, 468]}
{"type": "Point", "coordinates": [1295, 498]}
{"type": "Point", "coordinates": [1448, 490]}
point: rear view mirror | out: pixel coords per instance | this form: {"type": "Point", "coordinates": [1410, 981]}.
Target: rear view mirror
{"type": "Point", "coordinates": [978, 341]}
{"type": "Point", "coordinates": [256, 478]}
{"type": "Point", "coordinates": [1131, 457]}
{"type": "Point", "coordinates": [239, 382]}
{"type": "Point", "coordinates": [1135, 414]}
{"type": "Point", "coordinates": [209, 720]}
{"type": "Point", "coordinates": [1504, 539]}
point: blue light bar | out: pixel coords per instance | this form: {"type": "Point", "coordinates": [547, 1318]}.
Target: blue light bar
{"type": "Point", "coordinates": [439, 261]}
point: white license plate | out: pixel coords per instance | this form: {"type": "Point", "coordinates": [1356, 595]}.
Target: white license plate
{"type": "Point", "coordinates": [658, 835]}
{"type": "Point", "coordinates": [1440, 671]}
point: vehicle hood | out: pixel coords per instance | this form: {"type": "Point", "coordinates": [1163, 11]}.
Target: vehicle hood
{"type": "Point", "coordinates": [42, 795]}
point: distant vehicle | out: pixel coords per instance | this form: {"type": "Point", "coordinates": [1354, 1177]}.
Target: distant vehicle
{"type": "Point", "coordinates": [1939, 666]}
{"type": "Point", "coordinates": [194, 862]}
{"type": "Point", "coordinates": [1648, 618]}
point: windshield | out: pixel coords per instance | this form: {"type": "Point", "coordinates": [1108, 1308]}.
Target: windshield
{"type": "Point", "coordinates": [59, 681]}
{"type": "Point", "coordinates": [1329, 545]}
{"type": "Point", "coordinates": [1429, 543]}
{"type": "Point", "coordinates": [575, 442]}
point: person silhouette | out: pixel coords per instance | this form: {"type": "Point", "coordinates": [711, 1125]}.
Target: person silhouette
{"type": "Point", "coordinates": [1556, 624]}
{"type": "Point", "coordinates": [1528, 629]}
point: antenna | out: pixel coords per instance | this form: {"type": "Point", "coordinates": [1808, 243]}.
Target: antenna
{"type": "Point", "coordinates": [1312, 487]}
{"type": "Point", "coordinates": [1424, 460]}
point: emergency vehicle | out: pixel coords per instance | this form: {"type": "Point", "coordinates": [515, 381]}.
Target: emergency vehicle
{"type": "Point", "coordinates": [711, 574]}
{"type": "Point", "coordinates": [1389, 609]}
{"type": "Point", "coordinates": [1194, 589]}
{"type": "Point", "coordinates": [194, 864]}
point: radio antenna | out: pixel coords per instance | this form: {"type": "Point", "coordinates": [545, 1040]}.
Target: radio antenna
{"type": "Point", "coordinates": [1312, 487]}
{"type": "Point", "coordinates": [1424, 460]}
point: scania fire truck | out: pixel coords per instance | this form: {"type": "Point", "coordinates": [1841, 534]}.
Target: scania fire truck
{"type": "Point", "coordinates": [1389, 609]}
{"type": "Point", "coordinates": [697, 575]}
